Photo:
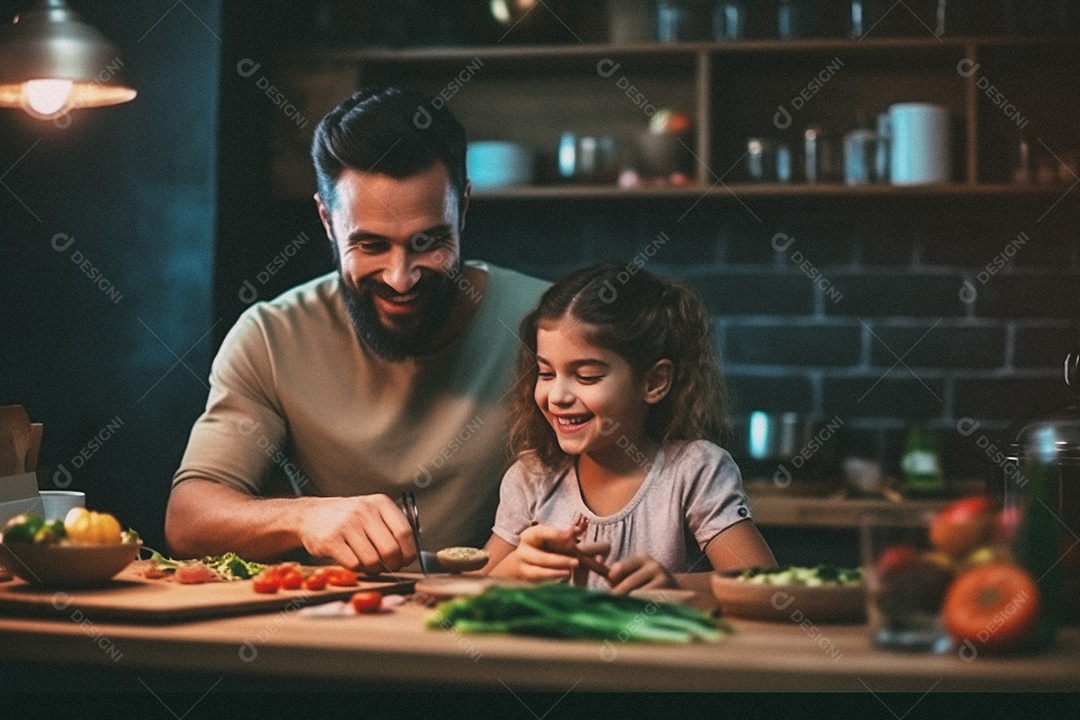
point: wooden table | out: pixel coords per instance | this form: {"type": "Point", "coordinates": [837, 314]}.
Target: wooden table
{"type": "Point", "coordinates": [394, 648]}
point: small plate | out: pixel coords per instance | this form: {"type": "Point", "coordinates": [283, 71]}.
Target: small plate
{"type": "Point", "coordinates": [822, 604]}
{"type": "Point", "coordinates": [450, 586]}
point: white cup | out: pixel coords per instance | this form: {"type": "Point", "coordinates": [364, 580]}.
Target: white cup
{"type": "Point", "coordinates": [921, 151]}
{"type": "Point", "coordinates": [56, 503]}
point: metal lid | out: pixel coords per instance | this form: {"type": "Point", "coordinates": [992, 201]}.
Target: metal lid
{"type": "Point", "coordinates": [1054, 437]}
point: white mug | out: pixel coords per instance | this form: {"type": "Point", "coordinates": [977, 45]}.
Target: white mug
{"type": "Point", "coordinates": [921, 150]}
{"type": "Point", "coordinates": [57, 503]}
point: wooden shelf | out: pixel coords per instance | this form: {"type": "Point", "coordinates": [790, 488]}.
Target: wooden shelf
{"type": "Point", "coordinates": [767, 190]}
{"type": "Point", "coordinates": [834, 511]}
{"type": "Point", "coordinates": [533, 93]}
{"type": "Point", "coordinates": [583, 50]}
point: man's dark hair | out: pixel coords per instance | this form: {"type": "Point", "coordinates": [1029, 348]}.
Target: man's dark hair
{"type": "Point", "coordinates": [390, 130]}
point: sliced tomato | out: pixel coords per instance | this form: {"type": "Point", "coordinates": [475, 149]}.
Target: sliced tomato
{"type": "Point", "coordinates": [340, 577]}
{"type": "Point", "coordinates": [366, 602]}
{"type": "Point", "coordinates": [195, 574]}
{"type": "Point", "coordinates": [265, 582]}
{"type": "Point", "coordinates": [994, 606]}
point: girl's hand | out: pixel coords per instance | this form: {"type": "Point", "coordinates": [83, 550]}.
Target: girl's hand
{"type": "Point", "coordinates": [544, 555]}
{"type": "Point", "coordinates": [639, 571]}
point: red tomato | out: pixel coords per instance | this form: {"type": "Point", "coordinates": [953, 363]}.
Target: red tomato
{"type": "Point", "coordinates": [993, 606]}
{"type": "Point", "coordinates": [896, 557]}
{"type": "Point", "coordinates": [265, 582]}
{"type": "Point", "coordinates": [340, 577]}
{"type": "Point", "coordinates": [962, 526]}
{"type": "Point", "coordinates": [366, 602]}
{"type": "Point", "coordinates": [291, 579]}
{"type": "Point", "coordinates": [317, 580]}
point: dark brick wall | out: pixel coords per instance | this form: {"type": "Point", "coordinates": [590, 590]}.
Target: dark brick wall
{"type": "Point", "coordinates": [865, 315]}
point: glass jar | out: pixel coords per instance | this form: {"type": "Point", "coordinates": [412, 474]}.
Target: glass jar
{"type": "Point", "coordinates": [1042, 493]}
{"type": "Point", "coordinates": [797, 19]}
{"type": "Point", "coordinates": [760, 160]}
{"type": "Point", "coordinates": [729, 20]}
{"type": "Point", "coordinates": [681, 20]}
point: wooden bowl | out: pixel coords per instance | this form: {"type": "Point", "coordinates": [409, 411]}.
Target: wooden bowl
{"type": "Point", "coordinates": [67, 566]}
{"type": "Point", "coordinates": [820, 604]}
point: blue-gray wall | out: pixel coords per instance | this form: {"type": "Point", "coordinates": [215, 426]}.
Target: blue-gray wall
{"type": "Point", "coordinates": [118, 362]}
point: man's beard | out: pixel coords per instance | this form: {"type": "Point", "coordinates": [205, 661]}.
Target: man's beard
{"type": "Point", "coordinates": [410, 336]}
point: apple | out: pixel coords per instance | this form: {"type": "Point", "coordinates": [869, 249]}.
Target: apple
{"type": "Point", "coordinates": [962, 526]}
{"type": "Point", "coordinates": [895, 558]}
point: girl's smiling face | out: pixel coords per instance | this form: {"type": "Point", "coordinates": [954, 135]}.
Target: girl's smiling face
{"type": "Point", "coordinates": [593, 399]}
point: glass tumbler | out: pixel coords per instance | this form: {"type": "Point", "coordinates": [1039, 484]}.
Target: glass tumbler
{"type": "Point", "coordinates": [906, 582]}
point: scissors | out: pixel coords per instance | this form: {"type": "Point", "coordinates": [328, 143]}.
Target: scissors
{"type": "Point", "coordinates": [408, 505]}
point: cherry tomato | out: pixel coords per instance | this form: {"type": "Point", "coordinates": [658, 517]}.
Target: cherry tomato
{"type": "Point", "coordinates": [366, 602]}
{"type": "Point", "coordinates": [291, 579]}
{"type": "Point", "coordinates": [317, 580]}
{"type": "Point", "coordinates": [995, 606]}
{"type": "Point", "coordinates": [963, 525]}
{"type": "Point", "coordinates": [266, 582]}
{"type": "Point", "coordinates": [340, 577]}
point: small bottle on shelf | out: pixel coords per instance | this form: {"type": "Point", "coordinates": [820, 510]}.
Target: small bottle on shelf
{"type": "Point", "coordinates": [920, 464]}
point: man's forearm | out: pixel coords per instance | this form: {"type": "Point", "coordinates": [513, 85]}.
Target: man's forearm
{"type": "Point", "coordinates": [207, 518]}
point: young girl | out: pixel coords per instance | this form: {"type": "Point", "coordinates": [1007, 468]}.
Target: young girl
{"type": "Point", "coordinates": [616, 428]}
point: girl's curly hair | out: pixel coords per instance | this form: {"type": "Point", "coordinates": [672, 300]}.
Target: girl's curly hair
{"type": "Point", "coordinates": [643, 318]}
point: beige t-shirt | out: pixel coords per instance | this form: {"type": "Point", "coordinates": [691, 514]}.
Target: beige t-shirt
{"type": "Point", "coordinates": [691, 493]}
{"type": "Point", "coordinates": [294, 392]}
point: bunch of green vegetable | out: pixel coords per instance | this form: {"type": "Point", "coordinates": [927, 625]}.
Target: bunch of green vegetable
{"type": "Point", "coordinates": [229, 566]}
{"type": "Point", "coordinates": [558, 610]}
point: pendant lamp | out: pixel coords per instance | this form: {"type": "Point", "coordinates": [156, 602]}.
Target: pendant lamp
{"type": "Point", "coordinates": [52, 62]}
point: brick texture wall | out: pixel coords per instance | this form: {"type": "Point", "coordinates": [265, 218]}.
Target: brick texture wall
{"type": "Point", "coordinates": [874, 311]}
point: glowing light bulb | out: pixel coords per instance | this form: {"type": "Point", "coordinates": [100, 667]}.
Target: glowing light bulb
{"type": "Point", "coordinates": [46, 98]}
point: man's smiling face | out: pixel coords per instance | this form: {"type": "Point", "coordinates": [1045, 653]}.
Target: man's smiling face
{"type": "Point", "coordinates": [397, 246]}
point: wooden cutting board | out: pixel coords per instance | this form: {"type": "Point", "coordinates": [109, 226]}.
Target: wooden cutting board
{"type": "Point", "coordinates": [130, 597]}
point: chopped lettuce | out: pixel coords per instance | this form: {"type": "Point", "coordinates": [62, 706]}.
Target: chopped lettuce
{"type": "Point", "coordinates": [809, 576]}
{"type": "Point", "coordinates": [229, 566]}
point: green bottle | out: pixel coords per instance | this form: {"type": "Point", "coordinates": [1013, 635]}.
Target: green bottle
{"type": "Point", "coordinates": [920, 465]}
{"type": "Point", "coordinates": [1038, 544]}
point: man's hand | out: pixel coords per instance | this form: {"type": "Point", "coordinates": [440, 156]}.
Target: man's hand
{"type": "Point", "coordinates": [639, 571]}
{"type": "Point", "coordinates": [366, 532]}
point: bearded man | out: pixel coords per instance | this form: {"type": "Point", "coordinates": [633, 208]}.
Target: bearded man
{"type": "Point", "coordinates": [388, 375]}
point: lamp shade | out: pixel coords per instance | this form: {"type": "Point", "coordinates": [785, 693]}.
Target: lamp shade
{"type": "Point", "coordinates": [51, 62]}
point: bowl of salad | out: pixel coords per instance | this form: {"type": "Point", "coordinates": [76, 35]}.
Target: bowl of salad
{"type": "Point", "coordinates": [85, 549]}
{"type": "Point", "coordinates": [823, 594]}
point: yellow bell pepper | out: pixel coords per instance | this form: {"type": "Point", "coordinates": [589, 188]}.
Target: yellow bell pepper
{"type": "Point", "coordinates": [91, 528]}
